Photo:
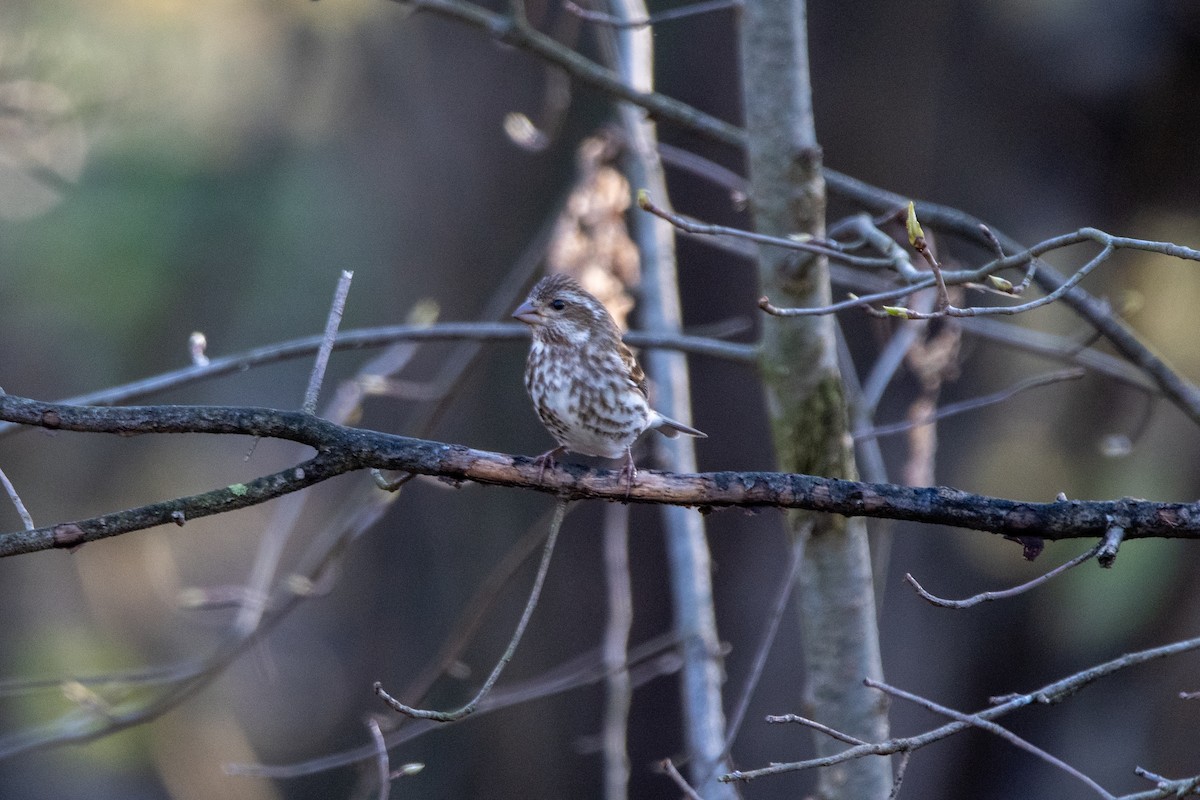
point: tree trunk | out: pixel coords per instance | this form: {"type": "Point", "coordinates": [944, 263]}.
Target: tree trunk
{"type": "Point", "coordinates": [805, 395]}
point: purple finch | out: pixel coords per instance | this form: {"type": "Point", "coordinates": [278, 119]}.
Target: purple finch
{"type": "Point", "coordinates": [586, 386]}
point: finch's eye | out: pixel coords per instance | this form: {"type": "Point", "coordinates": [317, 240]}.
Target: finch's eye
{"type": "Point", "coordinates": [558, 305]}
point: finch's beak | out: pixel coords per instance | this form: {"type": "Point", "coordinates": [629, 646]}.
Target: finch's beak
{"type": "Point", "coordinates": [527, 314]}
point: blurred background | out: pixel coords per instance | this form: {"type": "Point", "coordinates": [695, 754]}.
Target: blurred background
{"type": "Point", "coordinates": [169, 167]}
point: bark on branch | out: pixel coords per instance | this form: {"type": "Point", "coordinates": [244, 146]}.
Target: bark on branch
{"type": "Point", "coordinates": [342, 449]}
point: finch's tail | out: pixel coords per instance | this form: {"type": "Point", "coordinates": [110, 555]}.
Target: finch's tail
{"type": "Point", "coordinates": [670, 428]}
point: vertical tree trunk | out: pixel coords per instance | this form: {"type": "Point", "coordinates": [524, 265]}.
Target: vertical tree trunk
{"type": "Point", "coordinates": [805, 397]}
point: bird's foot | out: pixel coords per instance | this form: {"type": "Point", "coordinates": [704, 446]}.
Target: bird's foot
{"type": "Point", "coordinates": [545, 460]}
{"type": "Point", "coordinates": [629, 472]}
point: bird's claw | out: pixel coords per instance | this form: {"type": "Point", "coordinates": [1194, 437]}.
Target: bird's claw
{"type": "Point", "coordinates": [629, 472]}
{"type": "Point", "coordinates": [545, 460]}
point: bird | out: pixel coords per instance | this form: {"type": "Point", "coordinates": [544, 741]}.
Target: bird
{"type": "Point", "coordinates": [586, 385]}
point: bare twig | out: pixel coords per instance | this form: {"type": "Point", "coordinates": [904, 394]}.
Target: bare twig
{"type": "Point", "coordinates": [647, 661]}
{"type": "Point", "coordinates": [519, 34]}
{"type": "Point", "coordinates": [1108, 243]}
{"type": "Point", "coordinates": [825, 247]}
{"type": "Point", "coordinates": [1181, 392]}
{"type": "Point", "coordinates": [765, 645]}
{"type": "Point", "coordinates": [868, 232]}
{"type": "Point", "coordinates": [23, 512]}
{"type": "Point", "coordinates": [168, 686]}
{"type": "Point", "coordinates": [816, 726]}
{"type": "Point", "coordinates": [917, 239]}
{"type": "Point", "coordinates": [384, 771]}
{"type": "Point", "coordinates": [887, 364]}
{"type": "Point", "coordinates": [705, 168]}
{"type": "Point", "coordinates": [976, 721]}
{"type": "Point", "coordinates": [477, 608]}
{"type": "Point", "coordinates": [1002, 594]}
{"type": "Point", "coordinates": [332, 322]}
{"type": "Point", "coordinates": [901, 768]}
{"type": "Point", "coordinates": [1049, 694]}
{"type": "Point", "coordinates": [1061, 348]}
{"type": "Point", "coordinates": [950, 409]}
{"type": "Point", "coordinates": [1165, 787]}
{"type": "Point", "coordinates": [668, 767]}
{"type": "Point", "coordinates": [534, 594]}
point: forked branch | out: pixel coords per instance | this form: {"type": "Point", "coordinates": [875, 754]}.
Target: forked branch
{"type": "Point", "coordinates": [342, 449]}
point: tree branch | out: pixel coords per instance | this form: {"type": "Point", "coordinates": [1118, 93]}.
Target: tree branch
{"type": "Point", "coordinates": [519, 34]}
{"type": "Point", "coordinates": [343, 449]}
{"type": "Point", "coordinates": [1047, 695]}
{"type": "Point", "coordinates": [378, 337]}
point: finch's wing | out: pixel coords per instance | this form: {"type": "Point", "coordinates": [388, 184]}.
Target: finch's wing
{"type": "Point", "coordinates": [636, 376]}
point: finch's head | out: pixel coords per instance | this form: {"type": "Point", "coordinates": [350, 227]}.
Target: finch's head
{"type": "Point", "coordinates": [559, 309]}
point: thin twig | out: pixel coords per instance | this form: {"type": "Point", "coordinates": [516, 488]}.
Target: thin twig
{"type": "Point", "coordinates": [1165, 787]}
{"type": "Point", "coordinates": [1048, 694]}
{"type": "Point", "coordinates": [175, 683]}
{"type": "Point", "coordinates": [383, 769]}
{"type": "Point", "coordinates": [1096, 312]}
{"type": "Point", "coordinates": [649, 660]}
{"type": "Point", "coordinates": [976, 721]}
{"type": "Point", "coordinates": [23, 512]}
{"type": "Point", "coordinates": [1107, 242]}
{"type": "Point", "coordinates": [522, 36]}
{"type": "Point", "coordinates": [973, 404]}
{"type": "Point", "coordinates": [866, 229]}
{"type": "Point", "coordinates": [901, 768]}
{"type": "Point", "coordinates": [332, 323]}
{"type": "Point", "coordinates": [482, 602]}
{"type": "Point", "coordinates": [921, 245]}
{"type": "Point", "coordinates": [765, 644]}
{"type": "Point", "coordinates": [889, 362]}
{"type": "Point", "coordinates": [668, 767]}
{"type": "Point", "coordinates": [816, 726]}
{"type": "Point", "coordinates": [1060, 348]}
{"type": "Point", "coordinates": [697, 164]}
{"type": "Point", "coordinates": [825, 247]}
{"type": "Point", "coordinates": [1002, 594]}
{"type": "Point", "coordinates": [286, 515]}
{"type": "Point", "coordinates": [534, 594]}
{"type": "Point", "coordinates": [979, 311]}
